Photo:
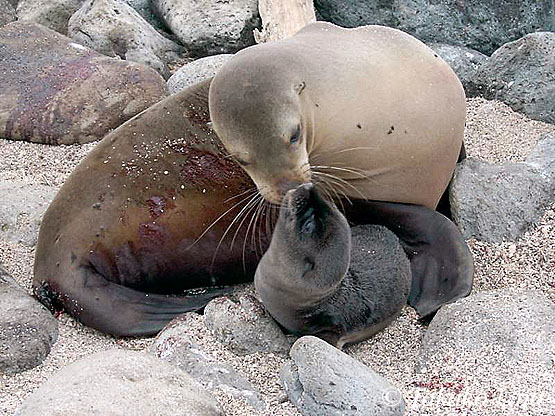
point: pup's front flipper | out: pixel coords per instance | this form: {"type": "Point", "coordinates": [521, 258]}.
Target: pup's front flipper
{"type": "Point", "coordinates": [441, 263]}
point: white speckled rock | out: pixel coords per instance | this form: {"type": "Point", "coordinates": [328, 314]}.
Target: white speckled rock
{"type": "Point", "coordinates": [542, 157]}
{"type": "Point", "coordinates": [324, 381]}
{"type": "Point", "coordinates": [27, 329]}
{"type": "Point", "coordinates": [174, 345]}
{"type": "Point", "coordinates": [114, 28]}
{"type": "Point", "coordinates": [212, 26]}
{"type": "Point", "coordinates": [7, 13]}
{"type": "Point", "coordinates": [522, 74]}
{"type": "Point", "coordinates": [244, 326]}
{"type": "Point", "coordinates": [120, 383]}
{"type": "Point", "coordinates": [56, 91]}
{"type": "Point", "coordinates": [196, 71]}
{"type": "Point", "coordinates": [498, 202]}
{"type": "Point", "coordinates": [53, 14]}
{"type": "Point", "coordinates": [504, 339]}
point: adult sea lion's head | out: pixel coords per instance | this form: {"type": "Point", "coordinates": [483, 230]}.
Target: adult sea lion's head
{"type": "Point", "coordinates": [259, 115]}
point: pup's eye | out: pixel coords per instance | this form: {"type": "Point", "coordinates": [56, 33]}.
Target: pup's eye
{"type": "Point", "coordinates": [309, 226]}
{"type": "Point", "coordinates": [296, 136]}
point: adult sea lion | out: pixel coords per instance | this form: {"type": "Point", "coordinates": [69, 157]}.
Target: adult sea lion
{"type": "Point", "coordinates": [373, 117]}
{"type": "Point", "coordinates": [315, 278]}
{"type": "Point", "coordinates": [132, 223]}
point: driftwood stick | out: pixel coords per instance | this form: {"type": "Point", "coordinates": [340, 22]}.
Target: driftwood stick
{"type": "Point", "coordinates": [283, 18]}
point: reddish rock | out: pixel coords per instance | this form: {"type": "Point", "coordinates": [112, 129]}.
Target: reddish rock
{"type": "Point", "coordinates": [55, 91]}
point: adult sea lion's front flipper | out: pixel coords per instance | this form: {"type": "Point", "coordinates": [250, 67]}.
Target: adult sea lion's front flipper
{"type": "Point", "coordinates": [441, 263]}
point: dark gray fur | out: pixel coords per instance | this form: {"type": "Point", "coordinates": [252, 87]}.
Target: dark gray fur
{"type": "Point", "coordinates": [358, 284]}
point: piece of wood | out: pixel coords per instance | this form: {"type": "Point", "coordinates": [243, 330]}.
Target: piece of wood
{"type": "Point", "coordinates": [283, 18]}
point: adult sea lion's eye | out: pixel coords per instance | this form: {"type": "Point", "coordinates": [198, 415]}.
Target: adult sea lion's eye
{"type": "Point", "coordinates": [296, 136]}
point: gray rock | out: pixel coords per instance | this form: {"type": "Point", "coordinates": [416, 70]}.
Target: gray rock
{"type": "Point", "coordinates": [498, 202]}
{"type": "Point", "coordinates": [321, 380]}
{"type": "Point", "coordinates": [542, 157]}
{"type": "Point", "coordinates": [55, 91]}
{"type": "Point", "coordinates": [522, 75]}
{"type": "Point", "coordinates": [211, 27]}
{"type": "Point", "coordinates": [7, 13]}
{"type": "Point", "coordinates": [464, 61]}
{"type": "Point", "coordinates": [174, 345]}
{"type": "Point", "coordinates": [120, 382]}
{"type": "Point", "coordinates": [144, 8]}
{"type": "Point", "coordinates": [53, 14]}
{"type": "Point", "coordinates": [477, 24]}
{"type": "Point", "coordinates": [114, 28]}
{"type": "Point", "coordinates": [21, 209]}
{"type": "Point", "coordinates": [244, 327]}
{"type": "Point", "coordinates": [499, 343]}
{"type": "Point", "coordinates": [27, 329]}
{"type": "Point", "coordinates": [196, 71]}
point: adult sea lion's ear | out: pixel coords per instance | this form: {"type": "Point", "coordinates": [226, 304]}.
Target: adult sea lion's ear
{"type": "Point", "coordinates": [300, 87]}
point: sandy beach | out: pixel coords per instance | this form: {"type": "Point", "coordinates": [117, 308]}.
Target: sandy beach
{"type": "Point", "coordinates": [493, 133]}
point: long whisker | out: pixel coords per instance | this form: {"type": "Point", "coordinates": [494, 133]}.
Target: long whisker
{"type": "Point", "coordinates": [337, 179]}
{"type": "Point", "coordinates": [334, 191]}
{"type": "Point", "coordinates": [351, 149]}
{"type": "Point", "coordinates": [246, 210]}
{"type": "Point", "coordinates": [247, 236]}
{"type": "Point", "coordinates": [256, 217]}
{"type": "Point", "coordinates": [268, 208]}
{"type": "Point", "coordinates": [216, 220]}
{"type": "Point", "coordinates": [259, 215]}
{"type": "Point", "coordinates": [322, 186]}
{"type": "Point", "coordinates": [251, 200]}
{"type": "Point", "coordinates": [248, 191]}
{"type": "Point", "coordinates": [350, 170]}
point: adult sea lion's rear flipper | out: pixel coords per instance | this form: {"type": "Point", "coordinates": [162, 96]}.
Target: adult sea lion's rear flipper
{"type": "Point", "coordinates": [119, 310]}
{"type": "Point", "coordinates": [441, 263]}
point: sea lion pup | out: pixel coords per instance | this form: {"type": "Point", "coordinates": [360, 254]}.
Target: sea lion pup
{"type": "Point", "coordinates": [313, 280]}
{"type": "Point", "coordinates": [374, 118]}
{"type": "Point", "coordinates": [132, 223]}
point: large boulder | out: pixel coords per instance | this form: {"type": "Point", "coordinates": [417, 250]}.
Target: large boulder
{"type": "Point", "coordinates": [8, 12]}
{"type": "Point", "coordinates": [120, 382]}
{"type": "Point", "coordinates": [196, 71]}
{"type": "Point", "coordinates": [114, 28]}
{"type": "Point", "coordinates": [522, 75]}
{"type": "Point", "coordinates": [55, 91]}
{"type": "Point", "coordinates": [21, 209]}
{"type": "Point", "coordinates": [497, 345]}
{"type": "Point", "coordinates": [173, 344]}
{"type": "Point", "coordinates": [53, 14]}
{"type": "Point", "coordinates": [498, 202]}
{"type": "Point", "coordinates": [324, 381]}
{"type": "Point", "coordinates": [27, 329]}
{"type": "Point", "coordinates": [464, 62]}
{"type": "Point", "coordinates": [478, 24]}
{"type": "Point", "coordinates": [211, 27]}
